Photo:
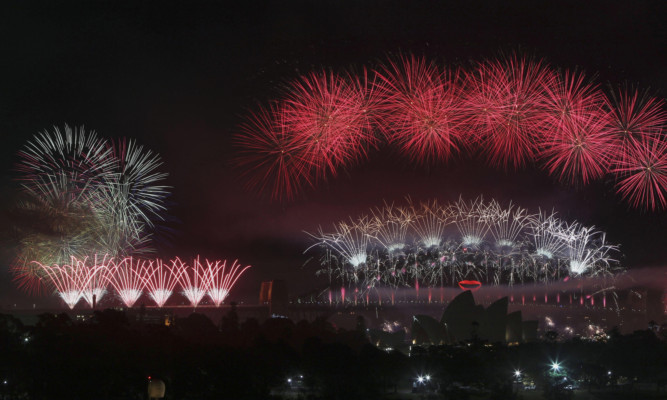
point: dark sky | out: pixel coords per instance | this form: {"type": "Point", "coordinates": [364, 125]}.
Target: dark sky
{"type": "Point", "coordinates": [179, 77]}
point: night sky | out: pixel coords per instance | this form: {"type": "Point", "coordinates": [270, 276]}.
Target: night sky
{"type": "Point", "coordinates": [179, 78]}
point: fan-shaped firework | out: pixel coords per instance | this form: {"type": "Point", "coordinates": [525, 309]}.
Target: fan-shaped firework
{"type": "Point", "coordinates": [160, 280]}
{"type": "Point", "coordinates": [472, 220]}
{"type": "Point", "coordinates": [96, 287]}
{"type": "Point", "coordinates": [546, 233]}
{"type": "Point", "coordinates": [126, 278]}
{"type": "Point", "coordinates": [350, 240]}
{"type": "Point", "coordinates": [515, 109]}
{"type": "Point", "coordinates": [429, 221]}
{"type": "Point", "coordinates": [82, 196]}
{"type": "Point", "coordinates": [69, 281]}
{"type": "Point", "coordinates": [391, 225]}
{"type": "Point", "coordinates": [526, 247]}
{"type": "Point", "coordinates": [88, 277]}
{"type": "Point", "coordinates": [221, 280]}
{"type": "Point", "coordinates": [194, 280]}
{"type": "Point", "coordinates": [506, 225]}
{"type": "Point", "coordinates": [588, 251]}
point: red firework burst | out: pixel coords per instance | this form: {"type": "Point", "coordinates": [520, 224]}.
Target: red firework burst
{"type": "Point", "coordinates": [634, 115]}
{"type": "Point", "coordinates": [582, 149]}
{"type": "Point", "coordinates": [28, 277]}
{"type": "Point", "coordinates": [272, 159]}
{"type": "Point", "coordinates": [578, 144]}
{"type": "Point", "coordinates": [504, 104]}
{"type": "Point", "coordinates": [423, 109]}
{"type": "Point", "coordinates": [642, 172]}
{"type": "Point", "coordinates": [367, 93]}
{"type": "Point", "coordinates": [324, 114]}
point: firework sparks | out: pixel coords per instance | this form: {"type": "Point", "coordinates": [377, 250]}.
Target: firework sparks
{"type": "Point", "coordinates": [514, 110]}
{"type": "Point", "coordinates": [83, 196]}
{"type": "Point", "coordinates": [642, 173]}
{"type": "Point", "coordinates": [526, 247]}
{"type": "Point", "coordinates": [160, 279]}
{"type": "Point", "coordinates": [504, 103]}
{"type": "Point", "coordinates": [69, 281]}
{"type": "Point", "coordinates": [126, 278]}
{"type": "Point", "coordinates": [222, 280]}
{"type": "Point", "coordinates": [194, 279]}
{"type": "Point", "coordinates": [423, 109]}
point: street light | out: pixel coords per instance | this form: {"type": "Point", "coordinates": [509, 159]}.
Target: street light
{"type": "Point", "coordinates": [555, 366]}
{"type": "Point", "coordinates": [517, 373]}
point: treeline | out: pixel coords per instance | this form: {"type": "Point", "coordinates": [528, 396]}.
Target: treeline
{"type": "Point", "coordinates": [109, 356]}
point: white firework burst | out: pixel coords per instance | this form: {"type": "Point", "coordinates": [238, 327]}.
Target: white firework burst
{"type": "Point", "coordinates": [547, 233]}
{"type": "Point", "coordinates": [391, 225]}
{"type": "Point", "coordinates": [472, 220]}
{"type": "Point", "coordinates": [588, 251]}
{"type": "Point", "coordinates": [430, 221]}
{"type": "Point", "coordinates": [507, 224]}
{"type": "Point", "coordinates": [350, 240]}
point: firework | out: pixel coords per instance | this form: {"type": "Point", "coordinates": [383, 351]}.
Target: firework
{"type": "Point", "coordinates": [160, 279]}
{"type": "Point", "coordinates": [547, 234]}
{"type": "Point", "coordinates": [69, 281]}
{"type": "Point", "coordinates": [582, 150]}
{"type": "Point", "coordinates": [472, 220]}
{"type": "Point", "coordinates": [272, 158]}
{"type": "Point", "coordinates": [222, 280]}
{"type": "Point", "coordinates": [126, 278]}
{"type": "Point", "coordinates": [514, 110]}
{"type": "Point", "coordinates": [59, 168]}
{"type": "Point", "coordinates": [97, 285]}
{"type": "Point", "coordinates": [194, 280]}
{"type": "Point", "coordinates": [51, 236]}
{"type": "Point", "coordinates": [448, 243]}
{"type": "Point", "coordinates": [507, 224]}
{"type": "Point", "coordinates": [635, 115]}
{"type": "Point", "coordinates": [430, 222]}
{"type": "Point", "coordinates": [366, 98]}
{"type": "Point", "coordinates": [350, 240]}
{"type": "Point", "coordinates": [84, 196]}
{"type": "Point", "coordinates": [579, 144]}
{"type": "Point", "coordinates": [423, 109]}
{"type": "Point", "coordinates": [505, 108]}
{"type": "Point", "coordinates": [325, 114]}
{"type": "Point", "coordinates": [59, 172]}
{"type": "Point", "coordinates": [390, 227]}
{"type": "Point", "coordinates": [642, 172]}
{"type": "Point", "coordinates": [588, 251]}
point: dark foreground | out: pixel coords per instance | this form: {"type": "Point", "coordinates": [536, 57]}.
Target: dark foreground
{"type": "Point", "coordinates": [110, 356]}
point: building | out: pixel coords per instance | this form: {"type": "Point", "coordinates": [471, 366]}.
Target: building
{"type": "Point", "coordinates": [463, 320]}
